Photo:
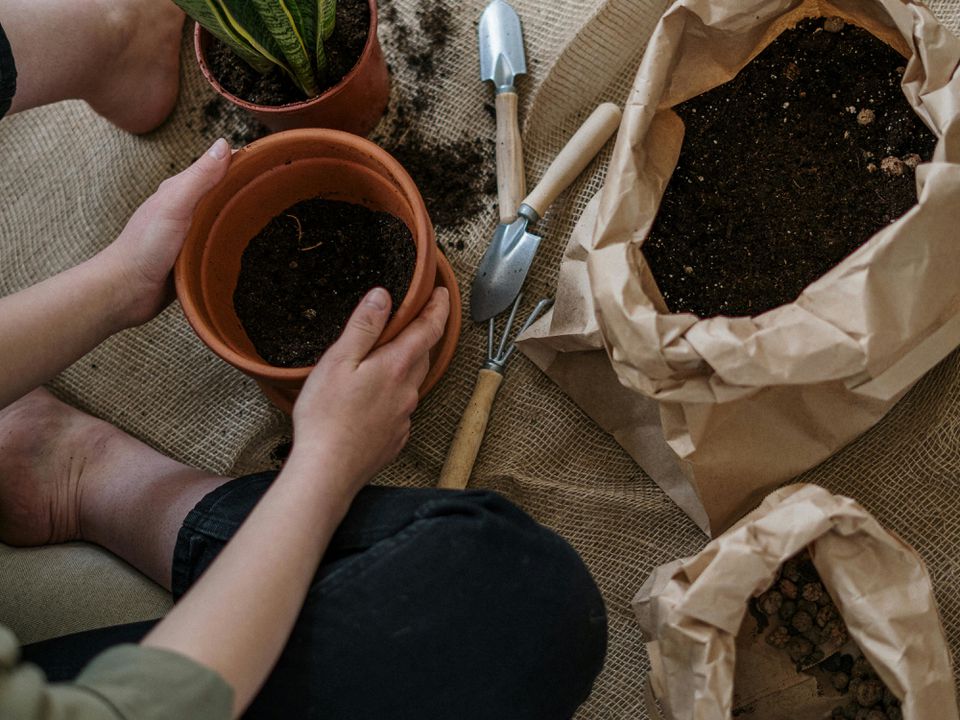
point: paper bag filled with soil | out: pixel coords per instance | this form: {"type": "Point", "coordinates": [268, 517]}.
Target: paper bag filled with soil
{"type": "Point", "coordinates": [710, 661]}
{"type": "Point", "coordinates": [721, 409]}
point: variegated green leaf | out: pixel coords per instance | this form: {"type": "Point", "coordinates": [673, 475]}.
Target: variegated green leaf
{"type": "Point", "coordinates": [246, 22]}
{"type": "Point", "coordinates": [281, 22]}
{"type": "Point", "coordinates": [305, 15]}
{"type": "Point", "coordinates": [304, 18]}
{"type": "Point", "coordinates": [327, 12]}
{"type": "Point", "coordinates": [326, 22]}
{"type": "Point", "coordinates": [210, 15]}
{"type": "Point", "coordinates": [321, 59]}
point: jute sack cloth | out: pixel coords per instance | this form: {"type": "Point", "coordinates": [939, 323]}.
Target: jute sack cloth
{"type": "Point", "coordinates": [71, 181]}
{"type": "Point", "coordinates": [747, 403]}
{"type": "Point", "coordinates": [692, 609]}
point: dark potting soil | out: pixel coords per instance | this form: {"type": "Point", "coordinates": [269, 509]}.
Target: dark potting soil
{"type": "Point", "coordinates": [302, 276]}
{"type": "Point", "coordinates": [785, 170]}
{"type": "Point", "coordinates": [280, 452]}
{"type": "Point", "coordinates": [344, 49]}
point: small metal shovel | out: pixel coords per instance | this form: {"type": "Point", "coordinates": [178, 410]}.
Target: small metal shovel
{"type": "Point", "coordinates": [505, 265]}
{"type": "Point", "coordinates": [501, 60]}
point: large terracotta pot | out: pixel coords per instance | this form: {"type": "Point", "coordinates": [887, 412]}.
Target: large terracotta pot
{"type": "Point", "coordinates": [354, 105]}
{"type": "Point", "coordinates": [267, 177]}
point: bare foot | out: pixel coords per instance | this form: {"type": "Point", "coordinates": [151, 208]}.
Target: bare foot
{"type": "Point", "coordinates": [47, 453]}
{"type": "Point", "coordinates": [65, 475]}
{"type": "Point", "coordinates": [139, 87]}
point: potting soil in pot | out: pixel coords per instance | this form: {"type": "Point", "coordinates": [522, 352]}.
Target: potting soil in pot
{"type": "Point", "coordinates": [343, 50]}
{"type": "Point", "coordinates": [785, 170]}
{"type": "Point", "coordinates": [303, 275]}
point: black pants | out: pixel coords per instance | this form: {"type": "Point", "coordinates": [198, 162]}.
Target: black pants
{"type": "Point", "coordinates": [428, 604]}
{"type": "Point", "coordinates": [8, 74]}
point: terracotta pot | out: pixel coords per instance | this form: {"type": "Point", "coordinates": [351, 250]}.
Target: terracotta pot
{"type": "Point", "coordinates": [266, 178]}
{"type": "Point", "coordinates": [354, 105]}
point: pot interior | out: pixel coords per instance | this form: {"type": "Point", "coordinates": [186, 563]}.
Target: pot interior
{"type": "Point", "coordinates": [267, 196]}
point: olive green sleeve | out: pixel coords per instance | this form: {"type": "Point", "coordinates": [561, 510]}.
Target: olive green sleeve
{"type": "Point", "coordinates": [126, 682]}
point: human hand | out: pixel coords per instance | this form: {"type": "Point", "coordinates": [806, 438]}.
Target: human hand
{"type": "Point", "coordinates": [353, 414]}
{"type": "Point", "coordinates": [139, 261]}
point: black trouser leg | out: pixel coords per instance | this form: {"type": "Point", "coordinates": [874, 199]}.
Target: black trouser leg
{"type": "Point", "coordinates": [428, 604]}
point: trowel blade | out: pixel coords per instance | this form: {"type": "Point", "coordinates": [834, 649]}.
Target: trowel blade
{"type": "Point", "coordinates": [501, 45]}
{"type": "Point", "coordinates": [502, 270]}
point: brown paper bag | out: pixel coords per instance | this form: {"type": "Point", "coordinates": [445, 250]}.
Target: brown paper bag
{"type": "Point", "coordinates": [721, 411]}
{"type": "Point", "coordinates": [692, 611]}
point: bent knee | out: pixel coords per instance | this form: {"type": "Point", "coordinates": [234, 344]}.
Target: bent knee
{"type": "Point", "coordinates": [469, 589]}
{"type": "Point", "coordinates": [532, 596]}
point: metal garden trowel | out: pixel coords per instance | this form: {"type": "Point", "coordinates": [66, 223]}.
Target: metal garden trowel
{"type": "Point", "coordinates": [505, 265]}
{"type": "Point", "coordinates": [501, 60]}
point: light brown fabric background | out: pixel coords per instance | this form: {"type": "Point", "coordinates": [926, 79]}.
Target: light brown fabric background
{"type": "Point", "coordinates": [71, 180]}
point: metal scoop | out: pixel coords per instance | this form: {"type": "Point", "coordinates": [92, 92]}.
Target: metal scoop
{"type": "Point", "coordinates": [505, 265]}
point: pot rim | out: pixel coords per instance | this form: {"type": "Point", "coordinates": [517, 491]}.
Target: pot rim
{"type": "Point", "coordinates": [199, 32]}
{"type": "Point", "coordinates": [424, 238]}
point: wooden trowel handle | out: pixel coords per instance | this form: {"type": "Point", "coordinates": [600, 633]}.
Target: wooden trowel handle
{"type": "Point", "coordinates": [575, 157]}
{"type": "Point", "coordinates": [511, 180]}
{"type": "Point", "coordinates": [473, 426]}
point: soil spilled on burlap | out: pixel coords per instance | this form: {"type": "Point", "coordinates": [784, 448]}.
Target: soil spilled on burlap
{"type": "Point", "coordinates": [785, 170]}
{"type": "Point", "coordinates": [303, 275]}
{"type": "Point", "coordinates": [455, 176]}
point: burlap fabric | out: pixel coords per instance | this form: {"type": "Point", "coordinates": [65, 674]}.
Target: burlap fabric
{"type": "Point", "coordinates": [71, 181]}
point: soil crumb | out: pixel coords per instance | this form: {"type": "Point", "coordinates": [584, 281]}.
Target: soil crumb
{"type": "Point", "coordinates": [303, 275]}
{"type": "Point", "coordinates": [280, 452]}
{"type": "Point", "coordinates": [785, 170]}
{"type": "Point", "coordinates": [421, 45]}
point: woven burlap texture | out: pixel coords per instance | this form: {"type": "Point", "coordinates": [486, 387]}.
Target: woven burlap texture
{"type": "Point", "coordinates": [72, 180]}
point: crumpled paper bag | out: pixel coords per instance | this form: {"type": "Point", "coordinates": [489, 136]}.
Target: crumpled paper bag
{"type": "Point", "coordinates": [691, 610]}
{"type": "Point", "coordinates": [721, 411]}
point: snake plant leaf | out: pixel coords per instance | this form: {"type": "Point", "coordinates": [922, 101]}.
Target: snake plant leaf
{"type": "Point", "coordinates": [305, 15]}
{"type": "Point", "coordinates": [326, 22]}
{"type": "Point", "coordinates": [246, 22]}
{"type": "Point", "coordinates": [280, 18]}
{"type": "Point", "coordinates": [306, 18]}
{"type": "Point", "coordinates": [327, 13]}
{"type": "Point", "coordinates": [209, 13]}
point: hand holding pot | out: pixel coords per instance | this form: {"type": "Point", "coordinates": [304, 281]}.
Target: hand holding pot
{"type": "Point", "coordinates": [354, 410]}
{"type": "Point", "coordinates": [142, 257]}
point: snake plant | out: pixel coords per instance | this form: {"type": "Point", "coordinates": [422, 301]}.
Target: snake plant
{"type": "Point", "coordinates": [288, 34]}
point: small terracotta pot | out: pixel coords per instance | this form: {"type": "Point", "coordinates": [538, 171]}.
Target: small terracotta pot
{"type": "Point", "coordinates": [354, 105]}
{"type": "Point", "coordinates": [266, 178]}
